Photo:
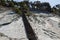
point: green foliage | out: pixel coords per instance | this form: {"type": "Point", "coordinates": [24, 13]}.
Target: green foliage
{"type": "Point", "coordinates": [46, 6]}
{"type": "Point", "coordinates": [28, 14]}
{"type": "Point", "coordinates": [15, 3]}
{"type": "Point", "coordinates": [11, 4]}
{"type": "Point", "coordinates": [3, 2]}
{"type": "Point", "coordinates": [18, 11]}
{"type": "Point", "coordinates": [21, 4]}
{"type": "Point", "coordinates": [0, 2]}
{"type": "Point", "coordinates": [24, 6]}
{"type": "Point", "coordinates": [56, 11]}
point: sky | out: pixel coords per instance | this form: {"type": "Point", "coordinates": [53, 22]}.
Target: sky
{"type": "Point", "coordinates": [52, 2]}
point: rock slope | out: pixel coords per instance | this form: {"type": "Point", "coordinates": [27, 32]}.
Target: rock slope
{"type": "Point", "coordinates": [46, 26]}
{"type": "Point", "coordinates": [14, 30]}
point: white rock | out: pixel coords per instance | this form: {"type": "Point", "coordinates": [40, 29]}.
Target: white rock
{"type": "Point", "coordinates": [45, 27]}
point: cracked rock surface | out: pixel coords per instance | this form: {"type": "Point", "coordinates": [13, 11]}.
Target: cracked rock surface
{"type": "Point", "coordinates": [7, 17]}
{"type": "Point", "coordinates": [46, 26]}
{"type": "Point", "coordinates": [11, 27]}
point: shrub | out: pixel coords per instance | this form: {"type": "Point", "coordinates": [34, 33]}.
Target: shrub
{"type": "Point", "coordinates": [18, 11]}
{"type": "Point", "coordinates": [2, 2]}
{"type": "Point", "coordinates": [11, 4]}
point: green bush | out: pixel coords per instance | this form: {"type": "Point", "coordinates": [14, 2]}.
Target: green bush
{"type": "Point", "coordinates": [56, 11]}
{"type": "Point", "coordinates": [11, 4]}
{"type": "Point", "coordinates": [28, 13]}
{"type": "Point", "coordinates": [18, 11]}
{"type": "Point", "coordinates": [2, 2]}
